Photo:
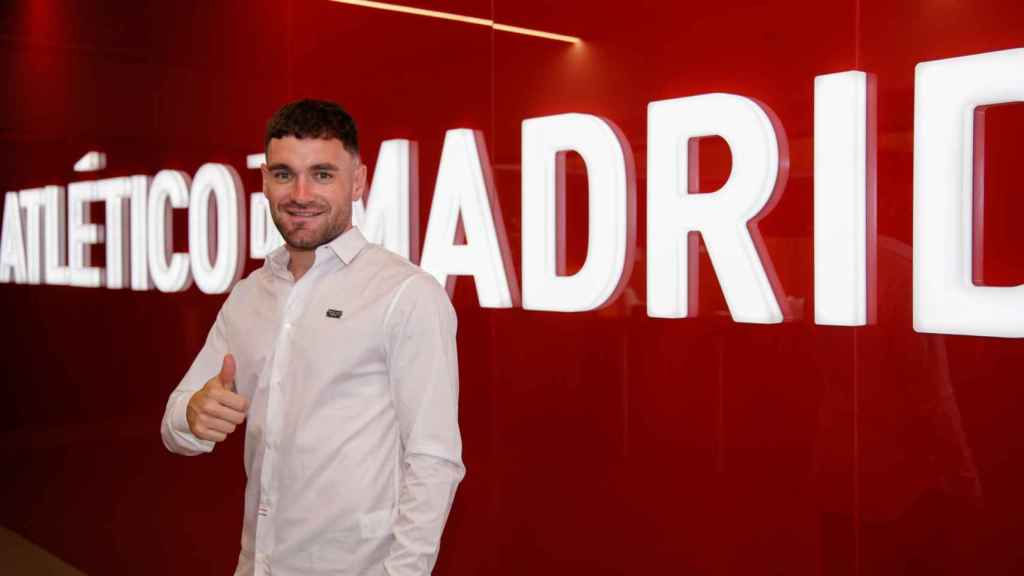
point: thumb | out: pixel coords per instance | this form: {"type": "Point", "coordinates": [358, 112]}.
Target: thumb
{"type": "Point", "coordinates": [227, 372]}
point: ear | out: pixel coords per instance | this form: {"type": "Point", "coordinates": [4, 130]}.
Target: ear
{"type": "Point", "coordinates": [265, 173]}
{"type": "Point", "coordinates": [359, 182]}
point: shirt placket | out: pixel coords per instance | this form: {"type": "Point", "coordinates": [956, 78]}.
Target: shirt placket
{"type": "Point", "coordinates": [272, 427]}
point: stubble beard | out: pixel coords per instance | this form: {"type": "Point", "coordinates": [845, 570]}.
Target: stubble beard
{"type": "Point", "coordinates": [304, 237]}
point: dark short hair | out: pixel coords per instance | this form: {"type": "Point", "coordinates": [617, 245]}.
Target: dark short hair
{"type": "Point", "coordinates": [313, 119]}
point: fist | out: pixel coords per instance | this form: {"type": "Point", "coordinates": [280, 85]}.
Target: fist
{"type": "Point", "coordinates": [215, 409]}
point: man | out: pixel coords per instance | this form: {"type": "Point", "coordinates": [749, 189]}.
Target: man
{"type": "Point", "coordinates": [340, 359]}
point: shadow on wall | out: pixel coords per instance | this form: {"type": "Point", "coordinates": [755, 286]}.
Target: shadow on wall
{"type": "Point", "coordinates": [23, 557]}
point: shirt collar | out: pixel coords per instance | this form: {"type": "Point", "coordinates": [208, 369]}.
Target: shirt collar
{"type": "Point", "coordinates": [346, 247]}
{"type": "Point", "coordinates": [277, 261]}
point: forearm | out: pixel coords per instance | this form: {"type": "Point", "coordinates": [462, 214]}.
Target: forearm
{"type": "Point", "coordinates": [427, 491]}
{"type": "Point", "coordinates": [174, 428]}
{"type": "Point", "coordinates": [424, 371]}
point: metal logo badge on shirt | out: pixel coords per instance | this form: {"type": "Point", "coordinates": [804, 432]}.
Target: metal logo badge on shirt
{"type": "Point", "coordinates": [332, 313]}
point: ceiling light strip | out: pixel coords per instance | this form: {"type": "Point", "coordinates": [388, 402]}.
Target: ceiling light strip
{"type": "Point", "coordinates": [537, 33]}
{"type": "Point", "coordinates": [460, 18]}
{"type": "Point", "coordinates": [417, 11]}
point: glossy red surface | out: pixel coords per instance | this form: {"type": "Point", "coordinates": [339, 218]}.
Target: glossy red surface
{"type": "Point", "coordinates": [597, 443]}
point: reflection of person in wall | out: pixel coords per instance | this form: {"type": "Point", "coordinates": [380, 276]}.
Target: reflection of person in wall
{"type": "Point", "coordinates": [340, 359]}
{"type": "Point", "coordinates": [895, 473]}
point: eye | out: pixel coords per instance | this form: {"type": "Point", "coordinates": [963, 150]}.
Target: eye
{"type": "Point", "coordinates": [281, 176]}
{"type": "Point", "coordinates": [323, 176]}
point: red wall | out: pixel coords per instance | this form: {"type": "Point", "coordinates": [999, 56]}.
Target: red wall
{"type": "Point", "coordinates": [596, 443]}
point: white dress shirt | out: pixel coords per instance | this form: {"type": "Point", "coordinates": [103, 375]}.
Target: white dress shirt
{"type": "Point", "coordinates": [352, 445]}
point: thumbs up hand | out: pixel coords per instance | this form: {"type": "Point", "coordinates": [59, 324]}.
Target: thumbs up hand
{"type": "Point", "coordinates": [215, 409]}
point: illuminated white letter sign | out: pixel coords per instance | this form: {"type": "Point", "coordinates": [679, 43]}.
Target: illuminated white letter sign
{"type": "Point", "coordinates": [139, 238]}
{"type": "Point", "coordinates": [82, 233]}
{"type": "Point", "coordinates": [612, 216]}
{"type": "Point", "coordinates": [464, 188]}
{"type": "Point", "coordinates": [946, 94]}
{"type": "Point", "coordinates": [116, 193]}
{"type": "Point", "coordinates": [32, 202]}
{"type": "Point", "coordinates": [391, 214]}
{"type": "Point", "coordinates": [47, 236]}
{"type": "Point", "coordinates": [725, 218]}
{"type": "Point", "coordinates": [55, 235]}
{"type": "Point", "coordinates": [844, 194]}
{"type": "Point", "coordinates": [222, 182]}
{"type": "Point", "coordinates": [169, 271]}
{"type": "Point", "coordinates": [12, 242]}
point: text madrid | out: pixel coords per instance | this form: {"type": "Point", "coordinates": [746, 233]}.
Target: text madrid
{"type": "Point", "coordinates": [47, 234]}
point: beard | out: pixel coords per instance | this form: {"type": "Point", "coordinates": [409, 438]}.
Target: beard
{"type": "Point", "coordinates": [307, 234]}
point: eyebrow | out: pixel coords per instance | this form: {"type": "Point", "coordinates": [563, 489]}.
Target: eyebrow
{"type": "Point", "coordinates": [324, 166]}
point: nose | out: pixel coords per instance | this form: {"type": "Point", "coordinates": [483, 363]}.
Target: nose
{"type": "Point", "coordinates": [302, 189]}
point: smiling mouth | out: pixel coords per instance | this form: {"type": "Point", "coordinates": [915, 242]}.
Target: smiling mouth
{"type": "Point", "coordinates": [298, 213]}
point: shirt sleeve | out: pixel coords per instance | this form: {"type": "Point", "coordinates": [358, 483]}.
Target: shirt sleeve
{"type": "Point", "coordinates": [423, 369]}
{"type": "Point", "coordinates": [174, 428]}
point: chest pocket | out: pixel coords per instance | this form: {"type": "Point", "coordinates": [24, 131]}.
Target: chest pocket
{"type": "Point", "coordinates": [346, 344]}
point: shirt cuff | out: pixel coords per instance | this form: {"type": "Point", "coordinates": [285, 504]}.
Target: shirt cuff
{"type": "Point", "coordinates": [182, 433]}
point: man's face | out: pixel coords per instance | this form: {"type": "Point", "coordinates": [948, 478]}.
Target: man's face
{"type": "Point", "coordinates": [310, 184]}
